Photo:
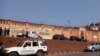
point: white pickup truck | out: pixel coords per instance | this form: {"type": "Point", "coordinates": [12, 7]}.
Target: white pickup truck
{"type": "Point", "coordinates": [29, 47]}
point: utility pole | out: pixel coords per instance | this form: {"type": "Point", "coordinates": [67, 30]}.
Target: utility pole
{"type": "Point", "coordinates": [68, 21]}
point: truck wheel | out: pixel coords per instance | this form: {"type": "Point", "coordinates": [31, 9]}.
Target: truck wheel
{"type": "Point", "coordinates": [40, 53]}
{"type": "Point", "coordinates": [13, 54]}
{"type": "Point", "coordinates": [93, 49]}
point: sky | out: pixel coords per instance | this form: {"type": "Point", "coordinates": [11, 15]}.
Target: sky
{"type": "Point", "coordinates": [52, 12]}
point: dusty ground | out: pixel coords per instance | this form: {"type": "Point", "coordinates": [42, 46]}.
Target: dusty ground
{"type": "Point", "coordinates": [53, 45]}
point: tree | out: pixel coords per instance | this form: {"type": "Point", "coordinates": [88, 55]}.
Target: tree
{"type": "Point", "coordinates": [97, 24]}
{"type": "Point", "coordinates": [92, 24]}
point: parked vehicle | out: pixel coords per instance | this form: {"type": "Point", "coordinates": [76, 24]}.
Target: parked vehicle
{"type": "Point", "coordinates": [29, 34]}
{"type": "Point", "coordinates": [93, 47]}
{"type": "Point", "coordinates": [75, 38]}
{"type": "Point", "coordinates": [32, 34]}
{"type": "Point", "coordinates": [29, 47]}
{"type": "Point", "coordinates": [20, 35]}
{"type": "Point", "coordinates": [59, 37]}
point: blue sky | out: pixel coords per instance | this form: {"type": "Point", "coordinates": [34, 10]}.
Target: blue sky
{"type": "Point", "coordinates": [52, 12]}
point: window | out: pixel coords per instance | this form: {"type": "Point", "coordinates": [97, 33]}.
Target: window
{"type": "Point", "coordinates": [99, 43]}
{"type": "Point", "coordinates": [20, 44]}
{"type": "Point", "coordinates": [93, 44]}
{"type": "Point", "coordinates": [96, 43]}
{"type": "Point", "coordinates": [35, 44]}
{"type": "Point", "coordinates": [27, 44]}
{"type": "Point", "coordinates": [43, 44]}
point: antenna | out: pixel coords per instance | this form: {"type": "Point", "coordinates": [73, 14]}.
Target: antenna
{"type": "Point", "coordinates": [68, 21]}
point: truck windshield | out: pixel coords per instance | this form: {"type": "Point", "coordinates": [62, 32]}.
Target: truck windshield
{"type": "Point", "coordinates": [93, 43]}
{"type": "Point", "coordinates": [19, 44]}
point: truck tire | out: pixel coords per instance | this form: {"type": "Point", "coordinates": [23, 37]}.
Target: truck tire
{"type": "Point", "coordinates": [39, 53]}
{"type": "Point", "coordinates": [13, 54]}
{"type": "Point", "coordinates": [93, 49]}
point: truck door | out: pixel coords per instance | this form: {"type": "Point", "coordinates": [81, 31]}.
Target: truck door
{"type": "Point", "coordinates": [35, 47]}
{"type": "Point", "coordinates": [99, 46]}
{"type": "Point", "coordinates": [43, 45]}
{"type": "Point", "coordinates": [27, 48]}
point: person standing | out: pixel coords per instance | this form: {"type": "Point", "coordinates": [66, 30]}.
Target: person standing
{"type": "Point", "coordinates": [0, 30]}
{"type": "Point", "coordinates": [5, 32]}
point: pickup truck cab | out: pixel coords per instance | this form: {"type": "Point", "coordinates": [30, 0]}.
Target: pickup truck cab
{"type": "Point", "coordinates": [28, 47]}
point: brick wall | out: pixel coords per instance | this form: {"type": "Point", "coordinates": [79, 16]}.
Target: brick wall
{"type": "Point", "coordinates": [47, 31]}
